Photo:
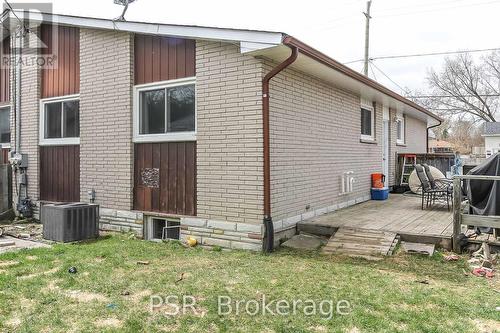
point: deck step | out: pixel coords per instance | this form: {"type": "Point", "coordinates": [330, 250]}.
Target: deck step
{"type": "Point", "coordinates": [362, 242]}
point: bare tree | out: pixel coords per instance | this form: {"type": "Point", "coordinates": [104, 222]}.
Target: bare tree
{"type": "Point", "coordinates": [467, 91]}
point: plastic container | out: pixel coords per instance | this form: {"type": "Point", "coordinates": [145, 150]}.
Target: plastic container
{"type": "Point", "coordinates": [378, 180]}
{"type": "Point", "coordinates": [380, 193]}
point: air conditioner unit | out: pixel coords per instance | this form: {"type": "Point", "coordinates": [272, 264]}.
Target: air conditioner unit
{"type": "Point", "coordinates": [69, 222]}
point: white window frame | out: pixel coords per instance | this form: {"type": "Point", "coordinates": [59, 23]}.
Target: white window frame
{"type": "Point", "coordinates": [400, 119]}
{"type": "Point", "coordinates": [366, 106]}
{"type": "Point", "coordinates": [6, 145]}
{"type": "Point", "coordinates": [55, 141]}
{"type": "Point", "coordinates": [163, 137]}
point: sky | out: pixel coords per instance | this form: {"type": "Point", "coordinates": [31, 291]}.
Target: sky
{"type": "Point", "coordinates": [335, 27]}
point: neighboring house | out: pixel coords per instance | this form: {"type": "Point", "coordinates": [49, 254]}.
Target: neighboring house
{"type": "Point", "coordinates": [491, 138]}
{"type": "Point", "coordinates": [440, 146]}
{"type": "Point", "coordinates": [176, 125]}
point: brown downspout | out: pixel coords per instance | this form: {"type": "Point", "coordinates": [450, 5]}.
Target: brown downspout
{"type": "Point", "coordinates": [429, 128]}
{"type": "Point", "coordinates": [268, 241]}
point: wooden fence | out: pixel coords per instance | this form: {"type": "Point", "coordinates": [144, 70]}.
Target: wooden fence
{"type": "Point", "coordinates": [459, 218]}
{"type": "Point", "coordinates": [443, 162]}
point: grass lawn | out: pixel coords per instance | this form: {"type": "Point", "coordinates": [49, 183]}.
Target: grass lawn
{"type": "Point", "coordinates": [111, 291]}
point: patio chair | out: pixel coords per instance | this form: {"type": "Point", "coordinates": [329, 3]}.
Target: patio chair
{"type": "Point", "coordinates": [429, 194]}
{"type": "Point", "coordinates": [441, 183]}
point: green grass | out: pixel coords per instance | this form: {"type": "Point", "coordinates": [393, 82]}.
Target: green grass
{"type": "Point", "coordinates": [111, 292]}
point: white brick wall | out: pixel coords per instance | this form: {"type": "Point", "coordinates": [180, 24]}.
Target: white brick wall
{"type": "Point", "coordinates": [106, 151]}
{"type": "Point", "coordinates": [30, 94]}
{"type": "Point", "coordinates": [229, 140]}
{"type": "Point", "coordinates": [315, 137]}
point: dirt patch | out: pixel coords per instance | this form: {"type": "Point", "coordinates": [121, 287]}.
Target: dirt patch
{"type": "Point", "coordinates": [31, 258]}
{"type": "Point", "coordinates": [13, 322]}
{"type": "Point", "coordinates": [85, 297]}
{"type": "Point", "coordinates": [109, 323]}
{"type": "Point", "coordinates": [30, 276]}
{"type": "Point", "coordinates": [487, 326]}
{"type": "Point", "coordinates": [172, 310]}
{"type": "Point", "coordinates": [138, 296]}
{"type": "Point", "coordinates": [8, 263]}
{"type": "Point", "coordinates": [52, 285]}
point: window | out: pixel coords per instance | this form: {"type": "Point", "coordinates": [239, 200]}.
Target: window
{"type": "Point", "coordinates": [162, 229]}
{"type": "Point", "coordinates": [165, 111]}
{"type": "Point", "coordinates": [367, 123]}
{"type": "Point", "coordinates": [5, 126]}
{"type": "Point", "coordinates": [400, 129]}
{"type": "Point", "coordinates": [60, 121]}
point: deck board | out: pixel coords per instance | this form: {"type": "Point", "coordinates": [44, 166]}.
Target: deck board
{"type": "Point", "coordinates": [401, 214]}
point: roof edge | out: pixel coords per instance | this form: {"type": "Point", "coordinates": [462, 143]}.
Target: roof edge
{"type": "Point", "coordinates": [181, 31]}
{"type": "Point", "coordinates": [334, 64]}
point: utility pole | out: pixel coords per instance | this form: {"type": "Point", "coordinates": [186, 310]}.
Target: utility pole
{"type": "Point", "coordinates": [367, 36]}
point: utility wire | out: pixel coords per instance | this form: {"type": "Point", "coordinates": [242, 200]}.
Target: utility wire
{"type": "Point", "coordinates": [17, 17]}
{"type": "Point", "coordinates": [438, 9]}
{"type": "Point", "coordinates": [394, 82]}
{"type": "Point", "coordinates": [424, 54]}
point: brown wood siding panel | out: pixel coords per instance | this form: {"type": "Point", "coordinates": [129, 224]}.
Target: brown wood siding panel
{"type": "Point", "coordinates": [163, 58]}
{"type": "Point", "coordinates": [5, 71]}
{"type": "Point", "coordinates": [5, 156]}
{"type": "Point", "coordinates": [60, 173]}
{"type": "Point", "coordinates": [64, 77]}
{"type": "Point", "coordinates": [176, 193]}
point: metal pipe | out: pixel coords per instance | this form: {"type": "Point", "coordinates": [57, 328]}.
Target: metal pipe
{"type": "Point", "coordinates": [427, 137]}
{"type": "Point", "coordinates": [268, 242]}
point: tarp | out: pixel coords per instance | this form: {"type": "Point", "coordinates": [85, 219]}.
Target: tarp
{"type": "Point", "coordinates": [484, 195]}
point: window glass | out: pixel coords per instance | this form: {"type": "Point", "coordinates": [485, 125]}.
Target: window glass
{"type": "Point", "coordinates": [5, 125]}
{"type": "Point", "coordinates": [71, 119]}
{"type": "Point", "coordinates": [53, 120]}
{"type": "Point", "coordinates": [181, 109]}
{"type": "Point", "coordinates": [399, 129]}
{"type": "Point", "coordinates": [366, 122]}
{"type": "Point", "coordinates": [152, 115]}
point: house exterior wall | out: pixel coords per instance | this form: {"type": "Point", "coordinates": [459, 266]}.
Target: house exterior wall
{"type": "Point", "coordinates": [106, 154]}
{"type": "Point", "coordinates": [30, 94]}
{"type": "Point", "coordinates": [492, 144]}
{"type": "Point", "coordinates": [315, 138]}
{"type": "Point", "coordinates": [415, 138]}
{"type": "Point", "coordinates": [229, 138]}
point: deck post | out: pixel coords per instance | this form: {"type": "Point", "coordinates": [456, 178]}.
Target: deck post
{"type": "Point", "coordinates": [457, 212]}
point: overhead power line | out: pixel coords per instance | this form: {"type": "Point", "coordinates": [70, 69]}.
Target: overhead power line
{"type": "Point", "coordinates": [424, 54]}
{"type": "Point", "coordinates": [17, 17]}
{"type": "Point", "coordinates": [387, 76]}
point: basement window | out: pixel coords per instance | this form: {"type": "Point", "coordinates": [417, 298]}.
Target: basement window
{"type": "Point", "coordinates": [163, 229]}
{"type": "Point", "coordinates": [60, 121]}
{"type": "Point", "coordinates": [165, 111]}
{"type": "Point", "coordinates": [5, 127]}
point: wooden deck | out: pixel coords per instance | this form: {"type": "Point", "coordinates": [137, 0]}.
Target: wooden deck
{"type": "Point", "coordinates": [400, 214]}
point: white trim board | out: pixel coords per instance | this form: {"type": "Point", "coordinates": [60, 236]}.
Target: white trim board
{"type": "Point", "coordinates": [181, 31]}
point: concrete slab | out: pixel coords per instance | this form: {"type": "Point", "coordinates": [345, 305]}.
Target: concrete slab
{"type": "Point", "coordinates": [303, 242]}
{"type": "Point", "coordinates": [19, 244]}
{"type": "Point", "coordinates": [418, 248]}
